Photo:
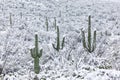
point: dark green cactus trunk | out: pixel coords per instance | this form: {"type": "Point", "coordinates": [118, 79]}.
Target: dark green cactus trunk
{"type": "Point", "coordinates": [36, 65]}
{"type": "Point", "coordinates": [58, 41]}
{"type": "Point", "coordinates": [89, 45]}
{"type": "Point", "coordinates": [36, 55]}
{"type": "Point", "coordinates": [89, 34]}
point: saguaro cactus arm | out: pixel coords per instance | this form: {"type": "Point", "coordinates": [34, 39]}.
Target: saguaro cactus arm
{"type": "Point", "coordinates": [32, 51]}
{"type": "Point", "coordinates": [63, 42]}
{"type": "Point", "coordinates": [54, 46]}
{"type": "Point", "coordinates": [94, 41]}
{"type": "Point", "coordinates": [40, 53]}
{"type": "Point", "coordinates": [83, 39]}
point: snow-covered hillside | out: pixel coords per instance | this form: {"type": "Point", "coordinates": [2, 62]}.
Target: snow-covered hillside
{"type": "Point", "coordinates": [21, 19]}
{"type": "Point", "coordinates": [112, 0]}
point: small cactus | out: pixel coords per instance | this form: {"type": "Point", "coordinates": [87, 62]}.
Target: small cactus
{"type": "Point", "coordinates": [46, 23]}
{"type": "Point", "coordinates": [21, 15]}
{"type": "Point", "coordinates": [89, 45]}
{"type": "Point", "coordinates": [58, 41]}
{"type": "Point", "coordinates": [36, 54]}
{"type": "Point", "coordinates": [60, 13]}
{"type": "Point", "coordinates": [10, 20]}
{"type": "Point", "coordinates": [55, 24]}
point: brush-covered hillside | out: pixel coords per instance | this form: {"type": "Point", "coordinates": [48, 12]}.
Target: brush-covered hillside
{"type": "Point", "coordinates": [60, 25]}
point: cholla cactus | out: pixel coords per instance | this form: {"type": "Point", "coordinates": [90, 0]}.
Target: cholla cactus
{"type": "Point", "coordinates": [89, 45]}
{"type": "Point", "coordinates": [58, 41]}
{"type": "Point", "coordinates": [36, 54]}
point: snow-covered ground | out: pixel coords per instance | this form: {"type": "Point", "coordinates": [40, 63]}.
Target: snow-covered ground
{"type": "Point", "coordinates": [73, 62]}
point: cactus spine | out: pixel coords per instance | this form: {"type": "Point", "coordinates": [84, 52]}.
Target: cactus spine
{"type": "Point", "coordinates": [89, 45]}
{"type": "Point", "coordinates": [46, 23]}
{"type": "Point", "coordinates": [58, 41]}
{"type": "Point", "coordinates": [36, 54]}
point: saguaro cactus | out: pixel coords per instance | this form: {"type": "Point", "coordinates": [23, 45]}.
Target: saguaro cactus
{"type": "Point", "coordinates": [46, 23]}
{"type": "Point", "coordinates": [36, 54]}
{"type": "Point", "coordinates": [58, 41]}
{"type": "Point", "coordinates": [10, 20]}
{"type": "Point", "coordinates": [89, 45]}
{"type": "Point", "coordinates": [55, 24]}
{"type": "Point", "coordinates": [21, 15]}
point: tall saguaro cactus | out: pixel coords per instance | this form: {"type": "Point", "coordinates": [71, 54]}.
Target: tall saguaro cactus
{"type": "Point", "coordinates": [36, 54]}
{"type": "Point", "coordinates": [89, 45]}
{"type": "Point", "coordinates": [58, 41]}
